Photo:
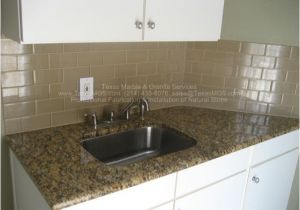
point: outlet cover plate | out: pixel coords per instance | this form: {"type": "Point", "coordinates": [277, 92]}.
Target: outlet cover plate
{"type": "Point", "coordinates": [86, 89]}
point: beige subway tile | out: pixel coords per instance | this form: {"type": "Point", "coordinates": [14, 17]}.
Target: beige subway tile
{"type": "Point", "coordinates": [262, 85]}
{"type": "Point", "coordinates": [64, 118]}
{"type": "Point", "coordinates": [228, 46]}
{"type": "Point", "coordinates": [11, 47]}
{"type": "Point", "coordinates": [72, 77]}
{"type": "Point", "coordinates": [242, 59]}
{"type": "Point", "coordinates": [48, 48]}
{"type": "Point", "coordinates": [283, 87]}
{"type": "Point", "coordinates": [15, 110]}
{"type": "Point", "coordinates": [26, 59]}
{"type": "Point", "coordinates": [170, 67]}
{"type": "Point", "coordinates": [10, 95]}
{"type": "Point", "coordinates": [108, 46]}
{"type": "Point", "coordinates": [194, 55]}
{"type": "Point", "coordinates": [263, 62]}
{"type": "Point", "coordinates": [253, 48]}
{"type": "Point", "coordinates": [168, 45]}
{"type": "Point", "coordinates": [60, 90]}
{"type": "Point", "coordinates": [33, 92]}
{"type": "Point", "coordinates": [41, 61]}
{"type": "Point", "coordinates": [102, 72]}
{"type": "Point", "coordinates": [17, 78]}
{"type": "Point", "coordinates": [290, 100]}
{"type": "Point", "coordinates": [295, 112]}
{"type": "Point", "coordinates": [8, 63]}
{"type": "Point", "coordinates": [255, 107]}
{"type": "Point", "coordinates": [268, 97]}
{"type": "Point", "coordinates": [158, 55]}
{"type": "Point", "coordinates": [12, 126]}
{"type": "Point", "coordinates": [50, 105]}
{"type": "Point", "coordinates": [190, 45]}
{"type": "Point", "coordinates": [247, 94]}
{"type": "Point", "coordinates": [146, 68]}
{"type": "Point", "coordinates": [76, 47]}
{"type": "Point", "coordinates": [114, 57]}
{"type": "Point", "coordinates": [74, 103]}
{"type": "Point", "coordinates": [36, 122]}
{"type": "Point", "coordinates": [249, 72]}
{"type": "Point", "coordinates": [225, 58]}
{"type": "Point", "coordinates": [137, 56]}
{"type": "Point", "coordinates": [295, 53]}
{"type": "Point", "coordinates": [292, 76]}
{"type": "Point", "coordinates": [63, 60]}
{"type": "Point", "coordinates": [126, 70]}
{"type": "Point", "coordinates": [275, 109]}
{"type": "Point", "coordinates": [49, 76]}
{"type": "Point", "coordinates": [206, 45]}
{"type": "Point", "coordinates": [137, 80]}
{"type": "Point", "coordinates": [176, 55]}
{"type": "Point", "coordinates": [205, 67]}
{"type": "Point", "coordinates": [270, 74]}
{"type": "Point", "coordinates": [220, 69]}
{"type": "Point", "coordinates": [212, 81]}
{"type": "Point", "coordinates": [239, 83]}
{"type": "Point", "coordinates": [192, 78]}
{"type": "Point", "coordinates": [177, 78]}
{"type": "Point", "coordinates": [89, 58]}
{"type": "Point", "coordinates": [142, 45]}
{"type": "Point", "coordinates": [278, 51]}
{"type": "Point", "coordinates": [287, 64]}
{"type": "Point", "coordinates": [155, 79]}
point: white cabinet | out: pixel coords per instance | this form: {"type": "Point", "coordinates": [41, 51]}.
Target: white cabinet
{"type": "Point", "coordinates": [168, 206]}
{"type": "Point", "coordinates": [188, 20]}
{"type": "Point", "coordinates": [271, 173]}
{"type": "Point", "coordinates": [255, 178]}
{"type": "Point", "coordinates": [80, 20]}
{"type": "Point", "coordinates": [140, 197]}
{"type": "Point", "coordinates": [224, 195]}
{"type": "Point", "coordinates": [68, 21]}
{"type": "Point", "coordinates": [210, 172]}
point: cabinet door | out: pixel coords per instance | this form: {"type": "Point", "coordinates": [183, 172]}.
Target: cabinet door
{"type": "Point", "coordinates": [168, 206]}
{"type": "Point", "coordinates": [270, 183]}
{"type": "Point", "coordinates": [224, 195]}
{"type": "Point", "coordinates": [183, 20]}
{"type": "Point", "coordinates": [56, 21]}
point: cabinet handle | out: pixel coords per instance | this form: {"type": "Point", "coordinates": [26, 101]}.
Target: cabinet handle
{"type": "Point", "coordinates": [138, 25]}
{"type": "Point", "coordinates": [151, 24]}
{"type": "Point", "coordinates": [255, 179]}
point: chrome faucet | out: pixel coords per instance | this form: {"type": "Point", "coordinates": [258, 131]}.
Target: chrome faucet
{"type": "Point", "coordinates": [91, 119]}
{"type": "Point", "coordinates": [143, 105]}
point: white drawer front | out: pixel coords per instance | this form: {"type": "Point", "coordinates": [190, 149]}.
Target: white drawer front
{"type": "Point", "coordinates": [225, 195]}
{"type": "Point", "coordinates": [274, 147]}
{"type": "Point", "coordinates": [201, 175]}
{"type": "Point", "coordinates": [140, 197]}
{"type": "Point", "coordinates": [168, 206]}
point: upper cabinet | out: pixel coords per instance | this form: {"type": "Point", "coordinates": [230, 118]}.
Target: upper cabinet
{"type": "Point", "coordinates": [69, 21]}
{"type": "Point", "coordinates": [188, 20]}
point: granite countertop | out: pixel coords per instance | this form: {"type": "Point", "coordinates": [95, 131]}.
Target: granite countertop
{"type": "Point", "coordinates": [66, 174]}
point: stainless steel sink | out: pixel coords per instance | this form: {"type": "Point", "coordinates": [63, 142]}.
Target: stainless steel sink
{"type": "Point", "coordinates": [138, 144]}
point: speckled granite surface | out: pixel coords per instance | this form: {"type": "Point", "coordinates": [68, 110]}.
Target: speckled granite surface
{"type": "Point", "coordinates": [66, 174]}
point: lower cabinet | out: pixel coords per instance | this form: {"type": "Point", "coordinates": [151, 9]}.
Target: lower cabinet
{"type": "Point", "coordinates": [269, 183]}
{"type": "Point", "coordinates": [224, 195]}
{"type": "Point", "coordinates": [255, 178]}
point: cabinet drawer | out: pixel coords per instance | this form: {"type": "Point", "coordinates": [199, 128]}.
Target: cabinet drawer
{"type": "Point", "coordinates": [201, 175]}
{"type": "Point", "coordinates": [168, 206]}
{"type": "Point", "coordinates": [274, 147]}
{"type": "Point", "coordinates": [143, 196]}
{"type": "Point", "coordinates": [224, 195]}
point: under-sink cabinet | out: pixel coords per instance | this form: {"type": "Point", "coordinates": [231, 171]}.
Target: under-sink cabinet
{"type": "Point", "coordinates": [257, 177]}
{"type": "Point", "coordinates": [69, 21]}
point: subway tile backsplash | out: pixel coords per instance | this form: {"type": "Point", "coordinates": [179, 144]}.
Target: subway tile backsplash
{"type": "Point", "coordinates": [37, 79]}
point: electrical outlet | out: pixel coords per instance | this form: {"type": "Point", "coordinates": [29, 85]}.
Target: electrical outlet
{"type": "Point", "coordinates": [86, 88]}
